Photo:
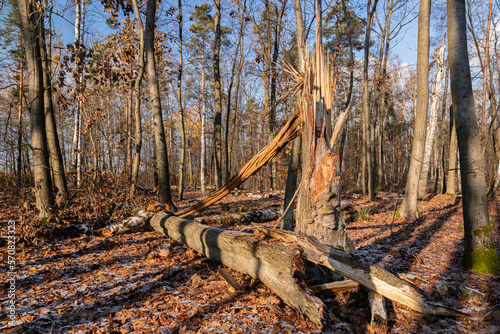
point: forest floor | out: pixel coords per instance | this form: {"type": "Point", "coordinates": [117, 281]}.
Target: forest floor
{"type": "Point", "coordinates": [72, 277]}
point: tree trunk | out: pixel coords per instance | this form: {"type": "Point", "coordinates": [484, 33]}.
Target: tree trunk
{"type": "Point", "coordinates": [452, 156]}
{"type": "Point", "coordinates": [274, 263]}
{"type": "Point", "coordinates": [367, 123]}
{"type": "Point", "coordinates": [20, 111]}
{"type": "Point", "coordinates": [294, 163]}
{"type": "Point", "coordinates": [479, 253]}
{"type": "Point", "coordinates": [218, 97]}
{"type": "Point", "coordinates": [272, 113]}
{"type": "Point", "coordinates": [316, 213]}
{"type": "Point", "coordinates": [56, 161]}
{"type": "Point", "coordinates": [154, 92]}
{"type": "Point", "coordinates": [137, 104]}
{"type": "Point", "coordinates": [30, 21]}
{"type": "Point", "coordinates": [203, 115]}
{"type": "Point", "coordinates": [239, 46]}
{"type": "Point", "coordinates": [181, 110]}
{"type": "Point", "coordinates": [409, 206]}
{"type": "Point", "coordinates": [442, 184]}
{"type": "Point", "coordinates": [433, 121]}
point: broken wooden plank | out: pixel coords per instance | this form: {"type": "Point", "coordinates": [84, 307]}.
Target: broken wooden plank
{"type": "Point", "coordinates": [274, 264]}
{"type": "Point", "coordinates": [338, 286]}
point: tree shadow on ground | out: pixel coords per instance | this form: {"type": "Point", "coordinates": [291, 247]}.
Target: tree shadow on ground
{"type": "Point", "coordinates": [409, 254]}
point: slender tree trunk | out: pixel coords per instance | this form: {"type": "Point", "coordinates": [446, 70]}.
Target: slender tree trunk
{"type": "Point", "coordinates": [20, 111]}
{"type": "Point", "coordinates": [485, 69]}
{"type": "Point", "coordinates": [479, 253]}
{"type": "Point", "coordinates": [77, 137]}
{"type": "Point", "coordinates": [30, 21]}
{"type": "Point", "coordinates": [229, 92]}
{"type": "Point", "coordinates": [56, 161]}
{"type": "Point", "coordinates": [367, 123]}
{"type": "Point", "coordinates": [442, 184]}
{"type": "Point", "coordinates": [452, 156]}
{"type": "Point", "coordinates": [273, 87]}
{"type": "Point", "coordinates": [294, 163]}
{"type": "Point", "coordinates": [203, 115]}
{"type": "Point", "coordinates": [137, 104]}
{"type": "Point", "coordinates": [433, 120]}
{"type": "Point", "coordinates": [154, 92]}
{"type": "Point", "coordinates": [409, 206]}
{"type": "Point", "coordinates": [218, 97]}
{"type": "Point", "coordinates": [181, 110]}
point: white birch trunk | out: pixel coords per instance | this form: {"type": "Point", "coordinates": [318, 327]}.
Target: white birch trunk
{"type": "Point", "coordinates": [77, 145]}
{"type": "Point", "coordinates": [431, 130]}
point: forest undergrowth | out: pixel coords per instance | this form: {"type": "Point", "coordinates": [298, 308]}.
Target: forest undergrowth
{"type": "Point", "coordinates": [72, 277]}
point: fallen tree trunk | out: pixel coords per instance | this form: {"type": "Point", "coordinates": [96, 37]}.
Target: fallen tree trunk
{"type": "Point", "coordinates": [128, 224]}
{"type": "Point", "coordinates": [274, 264]}
{"type": "Point", "coordinates": [372, 277]}
{"type": "Point", "coordinates": [242, 217]}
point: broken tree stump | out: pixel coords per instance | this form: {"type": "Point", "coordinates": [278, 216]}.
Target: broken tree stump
{"type": "Point", "coordinates": [274, 264]}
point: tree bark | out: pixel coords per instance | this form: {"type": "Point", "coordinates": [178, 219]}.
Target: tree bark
{"type": "Point", "coordinates": [154, 92]}
{"type": "Point", "coordinates": [218, 97]}
{"type": "Point", "coordinates": [409, 206]}
{"type": "Point", "coordinates": [137, 104]}
{"type": "Point", "coordinates": [30, 21]}
{"type": "Point", "coordinates": [479, 253]}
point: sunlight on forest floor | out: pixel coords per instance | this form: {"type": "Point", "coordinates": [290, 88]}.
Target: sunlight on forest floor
{"type": "Point", "coordinates": [91, 283]}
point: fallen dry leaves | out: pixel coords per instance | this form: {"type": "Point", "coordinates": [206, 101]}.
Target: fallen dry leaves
{"type": "Point", "coordinates": [89, 282]}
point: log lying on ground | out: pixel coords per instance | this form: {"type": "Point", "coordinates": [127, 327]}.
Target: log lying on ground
{"type": "Point", "coordinates": [243, 217]}
{"type": "Point", "coordinates": [274, 264]}
{"type": "Point", "coordinates": [372, 277]}
{"type": "Point", "coordinates": [126, 225]}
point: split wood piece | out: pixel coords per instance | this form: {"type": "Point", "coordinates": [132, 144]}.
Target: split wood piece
{"type": "Point", "coordinates": [288, 133]}
{"type": "Point", "coordinates": [273, 264]}
{"type": "Point", "coordinates": [377, 306]}
{"type": "Point", "coordinates": [126, 225]}
{"type": "Point", "coordinates": [230, 279]}
{"type": "Point", "coordinates": [243, 217]}
{"type": "Point", "coordinates": [339, 286]}
{"type": "Point", "coordinates": [372, 277]}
